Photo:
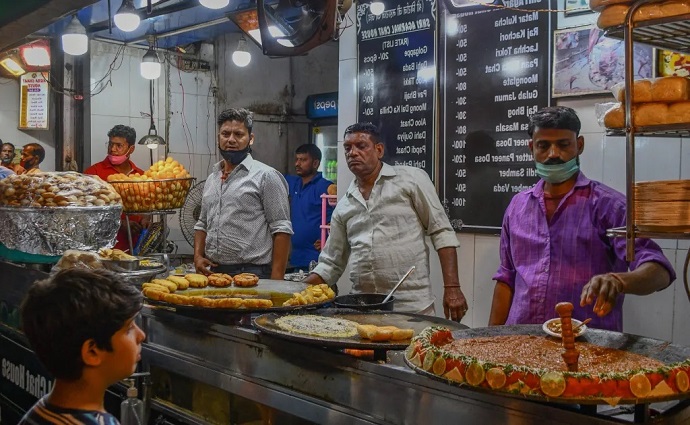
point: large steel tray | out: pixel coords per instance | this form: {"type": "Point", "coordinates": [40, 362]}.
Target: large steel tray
{"type": "Point", "coordinates": [663, 351]}
{"type": "Point", "coordinates": [418, 322]}
{"type": "Point", "coordinates": [276, 290]}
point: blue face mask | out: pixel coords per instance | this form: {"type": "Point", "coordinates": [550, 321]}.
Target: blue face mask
{"type": "Point", "coordinates": [558, 173]}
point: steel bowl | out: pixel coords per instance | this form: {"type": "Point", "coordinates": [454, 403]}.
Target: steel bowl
{"type": "Point", "coordinates": [364, 301]}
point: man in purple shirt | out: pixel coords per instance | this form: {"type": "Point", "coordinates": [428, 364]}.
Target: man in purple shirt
{"type": "Point", "coordinates": [554, 246]}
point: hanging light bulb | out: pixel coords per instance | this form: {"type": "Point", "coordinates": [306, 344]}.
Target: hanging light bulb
{"type": "Point", "coordinates": [377, 7]}
{"type": "Point", "coordinates": [74, 39]}
{"type": "Point", "coordinates": [152, 140]}
{"type": "Point", "coordinates": [214, 4]}
{"type": "Point", "coordinates": [126, 18]}
{"type": "Point", "coordinates": [150, 66]}
{"type": "Point", "coordinates": [241, 57]}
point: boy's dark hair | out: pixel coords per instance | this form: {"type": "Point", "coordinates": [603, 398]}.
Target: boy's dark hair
{"type": "Point", "coordinates": [312, 150]}
{"type": "Point", "coordinates": [62, 312]}
{"type": "Point", "coordinates": [237, 114]}
{"type": "Point", "coordinates": [126, 132]}
{"type": "Point", "coordinates": [557, 117]}
{"type": "Point", "coordinates": [365, 127]}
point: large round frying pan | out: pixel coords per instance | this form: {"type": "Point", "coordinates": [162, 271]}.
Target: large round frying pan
{"type": "Point", "coordinates": [661, 350]}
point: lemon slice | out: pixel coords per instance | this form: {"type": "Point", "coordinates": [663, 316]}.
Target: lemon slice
{"type": "Point", "coordinates": [640, 385]}
{"type": "Point", "coordinates": [474, 374]}
{"type": "Point", "coordinates": [682, 381]}
{"type": "Point", "coordinates": [496, 377]}
{"type": "Point", "coordinates": [439, 366]}
{"type": "Point", "coordinates": [454, 375]}
{"type": "Point", "coordinates": [552, 384]}
{"type": "Point", "coordinates": [428, 361]}
{"type": "Point", "coordinates": [409, 351]}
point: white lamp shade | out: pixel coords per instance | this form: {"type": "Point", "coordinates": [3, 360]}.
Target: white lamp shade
{"type": "Point", "coordinates": [127, 22]}
{"type": "Point", "coordinates": [241, 58]}
{"type": "Point", "coordinates": [150, 70]}
{"type": "Point", "coordinates": [75, 44]}
{"type": "Point", "coordinates": [214, 4]}
{"type": "Point", "coordinates": [377, 7]}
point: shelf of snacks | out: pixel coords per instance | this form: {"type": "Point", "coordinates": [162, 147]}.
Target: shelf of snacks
{"type": "Point", "coordinates": [670, 32]}
{"type": "Point", "coordinates": [649, 107]}
{"type": "Point", "coordinates": [162, 187]}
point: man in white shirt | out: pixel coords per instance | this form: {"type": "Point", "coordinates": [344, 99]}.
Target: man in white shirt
{"type": "Point", "coordinates": [379, 226]}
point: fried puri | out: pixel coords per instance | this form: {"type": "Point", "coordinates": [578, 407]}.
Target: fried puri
{"type": "Point", "coordinates": [154, 294]}
{"type": "Point", "coordinates": [168, 284]}
{"type": "Point", "coordinates": [197, 280]}
{"type": "Point", "coordinates": [180, 281]}
{"type": "Point", "coordinates": [257, 303]}
{"type": "Point", "coordinates": [228, 303]}
{"type": "Point", "coordinates": [155, 286]}
{"type": "Point", "coordinates": [246, 279]}
{"type": "Point", "coordinates": [220, 280]}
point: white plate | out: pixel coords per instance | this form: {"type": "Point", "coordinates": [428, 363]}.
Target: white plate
{"type": "Point", "coordinates": [576, 322]}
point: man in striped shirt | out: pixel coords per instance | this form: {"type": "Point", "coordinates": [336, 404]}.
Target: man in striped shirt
{"type": "Point", "coordinates": [554, 246]}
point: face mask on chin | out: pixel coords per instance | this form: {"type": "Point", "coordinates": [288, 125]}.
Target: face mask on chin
{"type": "Point", "coordinates": [117, 159]}
{"type": "Point", "coordinates": [6, 161]}
{"type": "Point", "coordinates": [235, 157]}
{"type": "Point", "coordinates": [558, 173]}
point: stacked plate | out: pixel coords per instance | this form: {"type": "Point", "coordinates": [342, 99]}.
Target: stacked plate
{"type": "Point", "coordinates": [663, 205]}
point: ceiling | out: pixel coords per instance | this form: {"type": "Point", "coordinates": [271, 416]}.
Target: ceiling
{"type": "Point", "coordinates": [173, 22]}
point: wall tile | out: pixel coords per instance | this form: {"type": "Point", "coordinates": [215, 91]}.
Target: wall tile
{"type": "Point", "coordinates": [486, 255]}
{"type": "Point", "coordinates": [657, 320]}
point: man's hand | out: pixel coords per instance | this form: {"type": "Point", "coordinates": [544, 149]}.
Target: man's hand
{"type": "Point", "coordinates": [605, 288]}
{"type": "Point", "coordinates": [454, 303]}
{"type": "Point", "coordinates": [201, 264]}
{"type": "Point", "coordinates": [317, 245]}
{"type": "Point", "coordinates": [145, 221]}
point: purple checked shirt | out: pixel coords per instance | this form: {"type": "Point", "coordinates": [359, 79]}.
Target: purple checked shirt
{"type": "Point", "coordinates": [547, 263]}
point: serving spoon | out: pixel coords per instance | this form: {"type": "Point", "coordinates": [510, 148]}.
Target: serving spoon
{"type": "Point", "coordinates": [398, 284]}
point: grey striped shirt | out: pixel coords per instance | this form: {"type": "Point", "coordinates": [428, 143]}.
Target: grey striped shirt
{"type": "Point", "coordinates": [241, 214]}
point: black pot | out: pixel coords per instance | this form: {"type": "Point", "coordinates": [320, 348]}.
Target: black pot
{"type": "Point", "coordinates": [364, 302]}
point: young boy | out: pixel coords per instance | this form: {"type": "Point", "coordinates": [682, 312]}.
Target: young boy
{"type": "Point", "coordinates": [80, 324]}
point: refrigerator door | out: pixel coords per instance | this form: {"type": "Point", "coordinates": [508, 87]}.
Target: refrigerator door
{"type": "Point", "coordinates": [326, 138]}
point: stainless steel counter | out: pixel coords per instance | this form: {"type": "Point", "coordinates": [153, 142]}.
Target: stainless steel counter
{"type": "Point", "coordinates": [327, 386]}
{"type": "Point", "coordinates": [200, 370]}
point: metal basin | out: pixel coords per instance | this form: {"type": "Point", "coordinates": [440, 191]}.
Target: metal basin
{"type": "Point", "coordinates": [364, 301]}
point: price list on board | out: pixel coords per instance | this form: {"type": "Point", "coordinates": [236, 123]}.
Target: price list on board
{"type": "Point", "coordinates": [495, 73]}
{"type": "Point", "coordinates": [397, 78]}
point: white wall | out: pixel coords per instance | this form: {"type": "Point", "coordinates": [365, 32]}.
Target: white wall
{"type": "Point", "coordinates": [661, 315]}
{"type": "Point", "coordinates": [275, 89]}
{"type": "Point", "coordinates": [189, 127]}
{"type": "Point", "coordinates": [9, 120]}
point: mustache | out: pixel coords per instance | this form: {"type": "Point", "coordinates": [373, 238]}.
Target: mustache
{"type": "Point", "coordinates": [553, 161]}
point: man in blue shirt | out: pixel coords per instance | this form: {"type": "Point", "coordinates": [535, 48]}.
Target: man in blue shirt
{"type": "Point", "coordinates": [306, 189]}
{"type": "Point", "coordinates": [4, 172]}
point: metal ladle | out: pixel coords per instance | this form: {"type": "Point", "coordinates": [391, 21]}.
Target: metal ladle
{"type": "Point", "coordinates": [398, 284]}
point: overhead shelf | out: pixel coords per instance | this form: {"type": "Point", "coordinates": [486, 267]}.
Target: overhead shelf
{"type": "Point", "coordinates": [672, 33]}
{"type": "Point", "coordinates": [666, 130]}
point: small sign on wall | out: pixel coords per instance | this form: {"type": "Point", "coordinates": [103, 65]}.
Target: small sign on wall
{"type": "Point", "coordinates": [33, 101]}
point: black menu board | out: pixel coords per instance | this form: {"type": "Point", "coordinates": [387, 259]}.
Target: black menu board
{"type": "Point", "coordinates": [397, 78]}
{"type": "Point", "coordinates": [495, 72]}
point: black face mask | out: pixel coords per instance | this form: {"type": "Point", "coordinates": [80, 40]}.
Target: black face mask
{"type": "Point", "coordinates": [235, 157]}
